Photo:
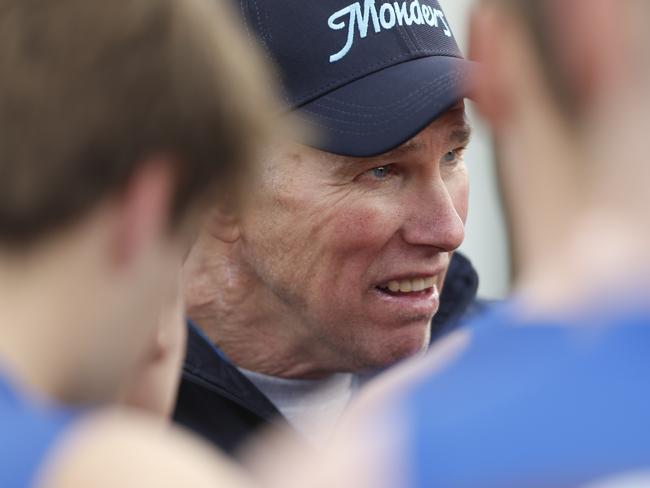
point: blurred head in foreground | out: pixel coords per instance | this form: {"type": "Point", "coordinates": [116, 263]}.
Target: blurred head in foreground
{"type": "Point", "coordinates": [538, 399]}
{"type": "Point", "coordinates": [565, 88]}
{"type": "Point", "coordinates": [117, 121]}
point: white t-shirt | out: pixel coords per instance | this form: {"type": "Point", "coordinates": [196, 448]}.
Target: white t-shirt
{"type": "Point", "coordinates": [313, 407]}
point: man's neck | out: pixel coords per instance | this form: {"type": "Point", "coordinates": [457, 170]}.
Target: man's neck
{"type": "Point", "coordinates": [37, 318]}
{"type": "Point", "coordinates": [592, 240]}
{"type": "Point", "coordinates": [252, 326]}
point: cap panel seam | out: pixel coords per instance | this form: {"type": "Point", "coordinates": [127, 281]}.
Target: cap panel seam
{"type": "Point", "coordinates": [264, 36]}
{"type": "Point", "coordinates": [407, 39]}
{"type": "Point", "coordinates": [268, 36]}
{"type": "Point", "coordinates": [244, 21]}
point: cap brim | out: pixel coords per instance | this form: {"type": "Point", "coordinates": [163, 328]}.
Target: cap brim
{"type": "Point", "coordinates": [381, 111]}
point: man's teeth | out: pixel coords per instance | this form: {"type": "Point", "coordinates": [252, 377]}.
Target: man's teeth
{"type": "Point", "coordinates": [408, 286]}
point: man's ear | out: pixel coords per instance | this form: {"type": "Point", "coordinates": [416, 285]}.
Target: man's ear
{"type": "Point", "coordinates": [489, 91]}
{"type": "Point", "coordinates": [588, 37]}
{"type": "Point", "coordinates": [222, 223]}
{"type": "Point", "coordinates": [510, 74]}
{"type": "Point", "coordinates": [143, 210]}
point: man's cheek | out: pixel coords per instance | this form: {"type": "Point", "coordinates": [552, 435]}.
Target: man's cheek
{"type": "Point", "coordinates": [459, 193]}
{"type": "Point", "coordinates": [363, 227]}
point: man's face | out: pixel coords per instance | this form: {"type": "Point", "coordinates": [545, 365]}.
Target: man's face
{"type": "Point", "coordinates": [357, 249]}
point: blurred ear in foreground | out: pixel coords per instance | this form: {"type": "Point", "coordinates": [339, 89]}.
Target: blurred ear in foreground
{"type": "Point", "coordinates": [579, 45]}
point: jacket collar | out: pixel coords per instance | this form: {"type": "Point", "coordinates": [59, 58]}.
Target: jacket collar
{"type": "Point", "coordinates": [458, 297]}
{"type": "Point", "coordinates": [206, 364]}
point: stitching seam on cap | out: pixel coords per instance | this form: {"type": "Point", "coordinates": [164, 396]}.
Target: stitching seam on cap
{"type": "Point", "coordinates": [328, 102]}
{"type": "Point", "coordinates": [369, 132]}
{"type": "Point", "coordinates": [405, 102]}
{"type": "Point", "coordinates": [342, 81]}
{"type": "Point", "coordinates": [264, 38]}
{"type": "Point", "coordinates": [407, 40]}
{"type": "Point", "coordinates": [245, 21]}
{"type": "Point", "coordinates": [446, 82]}
{"type": "Point", "coordinates": [416, 47]}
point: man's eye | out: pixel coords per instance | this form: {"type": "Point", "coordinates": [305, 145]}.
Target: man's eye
{"type": "Point", "coordinates": [381, 172]}
{"type": "Point", "coordinates": [453, 156]}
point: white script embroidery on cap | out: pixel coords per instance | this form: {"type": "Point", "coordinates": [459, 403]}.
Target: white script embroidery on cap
{"type": "Point", "coordinates": [389, 15]}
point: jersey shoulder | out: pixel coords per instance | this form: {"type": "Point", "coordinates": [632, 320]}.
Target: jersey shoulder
{"type": "Point", "coordinates": [540, 401]}
{"type": "Point", "coordinates": [29, 432]}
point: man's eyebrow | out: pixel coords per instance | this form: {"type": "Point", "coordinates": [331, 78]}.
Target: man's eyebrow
{"type": "Point", "coordinates": [344, 165]}
{"type": "Point", "coordinates": [461, 134]}
{"type": "Point", "coordinates": [409, 147]}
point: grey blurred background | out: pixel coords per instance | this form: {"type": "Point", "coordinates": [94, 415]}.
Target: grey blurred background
{"type": "Point", "coordinates": [485, 242]}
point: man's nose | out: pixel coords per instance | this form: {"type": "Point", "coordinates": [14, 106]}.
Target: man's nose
{"type": "Point", "coordinates": [432, 219]}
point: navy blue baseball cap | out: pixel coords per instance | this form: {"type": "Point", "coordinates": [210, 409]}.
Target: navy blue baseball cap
{"type": "Point", "coordinates": [367, 75]}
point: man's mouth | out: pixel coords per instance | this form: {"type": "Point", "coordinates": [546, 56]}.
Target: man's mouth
{"type": "Point", "coordinates": [409, 286]}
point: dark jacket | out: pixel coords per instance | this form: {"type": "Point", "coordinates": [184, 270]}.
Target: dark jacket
{"type": "Point", "coordinates": [220, 404]}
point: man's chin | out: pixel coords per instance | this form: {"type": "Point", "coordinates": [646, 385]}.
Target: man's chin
{"type": "Point", "coordinates": [396, 349]}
